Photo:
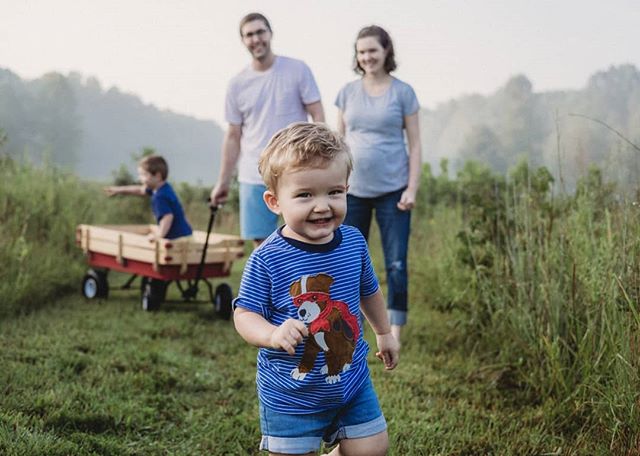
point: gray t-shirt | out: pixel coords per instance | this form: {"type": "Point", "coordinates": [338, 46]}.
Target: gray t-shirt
{"type": "Point", "coordinates": [263, 102]}
{"type": "Point", "coordinates": [375, 134]}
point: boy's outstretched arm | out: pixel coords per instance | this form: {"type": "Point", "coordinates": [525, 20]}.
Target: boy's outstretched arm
{"type": "Point", "coordinates": [375, 312]}
{"type": "Point", "coordinates": [125, 190]}
{"type": "Point", "coordinates": [259, 332]}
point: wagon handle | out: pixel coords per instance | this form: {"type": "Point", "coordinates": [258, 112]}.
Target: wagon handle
{"type": "Point", "coordinates": [192, 291]}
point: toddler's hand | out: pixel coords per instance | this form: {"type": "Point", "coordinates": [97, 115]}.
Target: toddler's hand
{"type": "Point", "coordinates": [388, 350]}
{"type": "Point", "coordinates": [288, 335]}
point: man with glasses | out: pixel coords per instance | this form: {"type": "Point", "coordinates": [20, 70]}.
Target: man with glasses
{"type": "Point", "coordinates": [265, 97]}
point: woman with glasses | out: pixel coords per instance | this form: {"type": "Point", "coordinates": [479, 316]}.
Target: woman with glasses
{"type": "Point", "coordinates": [375, 113]}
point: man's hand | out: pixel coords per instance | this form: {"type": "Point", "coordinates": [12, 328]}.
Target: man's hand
{"type": "Point", "coordinates": [219, 195]}
{"type": "Point", "coordinates": [388, 350]}
{"type": "Point", "coordinates": [288, 335]}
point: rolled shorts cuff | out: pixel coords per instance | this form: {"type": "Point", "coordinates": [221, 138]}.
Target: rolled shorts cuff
{"type": "Point", "coordinates": [397, 317]}
{"type": "Point", "coordinates": [357, 431]}
{"type": "Point", "coordinates": [290, 445]}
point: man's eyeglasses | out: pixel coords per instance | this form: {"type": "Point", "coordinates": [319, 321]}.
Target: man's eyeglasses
{"type": "Point", "coordinates": [259, 33]}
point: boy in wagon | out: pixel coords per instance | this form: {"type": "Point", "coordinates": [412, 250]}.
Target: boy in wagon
{"type": "Point", "coordinates": [300, 302]}
{"type": "Point", "coordinates": [152, 172]}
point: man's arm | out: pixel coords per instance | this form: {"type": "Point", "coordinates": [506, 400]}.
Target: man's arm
{"type": "Point", "coordinates": [230, 155]}
{"type": "Point", "coordinates": [342, 128]}
{"type": "Point", "coordinates": [316, 111]}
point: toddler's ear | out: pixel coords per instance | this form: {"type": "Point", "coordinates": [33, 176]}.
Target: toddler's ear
{"type": "Point", "coordinates": [271, 200]}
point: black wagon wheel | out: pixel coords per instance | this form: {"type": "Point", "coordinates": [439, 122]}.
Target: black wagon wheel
{"type": "Point", "coordinates": [95, 284]}
{"type": "Point", "coordinates": [152, 293]}
{"type": "Point", "coordinates": [222, 300]}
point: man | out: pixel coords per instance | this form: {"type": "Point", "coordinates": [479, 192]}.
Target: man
{"type": "Point", "coordinates": [266, 96]}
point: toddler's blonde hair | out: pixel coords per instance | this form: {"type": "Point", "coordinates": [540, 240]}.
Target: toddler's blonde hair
{"type": "Point", "coordinates": [301, 145]}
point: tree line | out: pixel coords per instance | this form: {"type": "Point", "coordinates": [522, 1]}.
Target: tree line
{"type": "Point", "coordinates": [565, 130]}
{"type": "Point", "coordinates": [75, 123]}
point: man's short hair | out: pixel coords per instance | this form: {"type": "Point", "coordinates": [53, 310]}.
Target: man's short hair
{"type": "Point", "coordinates": [155, 164]}
{"type": "Point", "coordinates": [301, 145]}
{"type": "Point", "coordinates": [254, 17]}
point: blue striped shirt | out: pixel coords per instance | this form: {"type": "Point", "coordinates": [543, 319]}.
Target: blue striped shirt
{"type": "Point", "coordinates": [322, 286]}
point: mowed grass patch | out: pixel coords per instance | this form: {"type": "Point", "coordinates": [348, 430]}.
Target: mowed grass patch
{"type": "Point", "coordinates": [107, 378]}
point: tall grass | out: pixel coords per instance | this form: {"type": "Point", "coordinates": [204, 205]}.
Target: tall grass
{"type": "Point", "coordinates": [554, 295]}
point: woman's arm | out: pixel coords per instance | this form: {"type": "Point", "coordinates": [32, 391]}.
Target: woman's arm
{"type": "Point", "coordinates": [408, 198]}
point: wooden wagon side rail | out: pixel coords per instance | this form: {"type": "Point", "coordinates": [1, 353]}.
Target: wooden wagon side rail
{"type": "Point", "coordinates": [130, 242]}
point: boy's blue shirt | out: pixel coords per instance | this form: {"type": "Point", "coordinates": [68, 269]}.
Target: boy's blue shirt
{"type": "Point", "coordinates": [165, 201]}
{"type": "Point", "coordinates": [322, 286]}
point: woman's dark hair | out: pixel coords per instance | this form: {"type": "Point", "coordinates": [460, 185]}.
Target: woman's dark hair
{"type": "Point", "coordinates": [385, 41]}
{"type": "Point", "coordinates": [254, 17]}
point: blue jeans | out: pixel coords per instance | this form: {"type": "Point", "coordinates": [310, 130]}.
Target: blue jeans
{"type": "Point", "coordinates": [395, 226]}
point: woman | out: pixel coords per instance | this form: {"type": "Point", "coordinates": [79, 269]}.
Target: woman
{"type": "Point", "coordinates": [374, 113]}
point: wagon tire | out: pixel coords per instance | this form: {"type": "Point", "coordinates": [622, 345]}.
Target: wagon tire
{"type": "Point", "coordinates": [152, 293]}
{"type": "Point", "coordinates": [95, 284]}
{"type": "Point", "coordinates": [222, 301]}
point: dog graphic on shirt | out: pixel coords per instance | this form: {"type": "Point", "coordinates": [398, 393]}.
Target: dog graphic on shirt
{"type": "Point", "coordinates": [332, 328]}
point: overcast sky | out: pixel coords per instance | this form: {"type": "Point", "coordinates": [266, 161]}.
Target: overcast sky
{"type": "Point", "coordinates": [180, 54]}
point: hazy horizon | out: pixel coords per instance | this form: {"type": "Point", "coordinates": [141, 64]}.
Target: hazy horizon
{"type": "Point", "coordinates": [180, 55]}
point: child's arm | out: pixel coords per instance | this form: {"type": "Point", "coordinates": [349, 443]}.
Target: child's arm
{"type": "Point", "coordinates": [259, 332]}
{"type": "Point", "coordinates": [375, 311]}
{"type": "Point", "coordinates": [164, 225]}
{"type": "Point", "coordinates": [139, 190]}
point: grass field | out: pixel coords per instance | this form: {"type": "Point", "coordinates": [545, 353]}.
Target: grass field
{"type": "Point", "coordinates": [523, 334]}
{"type": "Point", "coordinates": [105, 378]}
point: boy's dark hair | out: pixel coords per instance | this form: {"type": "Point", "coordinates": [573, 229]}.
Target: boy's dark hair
{"type": "Point", "coordinates": [385, 41]}
{"type": "Point", "coordinates": [254, 17]}
{"type": "Point", "coordinates": [155, 164]}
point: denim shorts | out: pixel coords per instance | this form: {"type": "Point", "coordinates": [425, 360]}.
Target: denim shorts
{"type": "Point", "coordinates": [256, 220]}
{"type": "Point", "coordinates": [300, 434]}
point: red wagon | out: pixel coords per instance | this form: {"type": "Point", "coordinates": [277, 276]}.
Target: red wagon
{"type": "Point", "coordinates": [126, 248]}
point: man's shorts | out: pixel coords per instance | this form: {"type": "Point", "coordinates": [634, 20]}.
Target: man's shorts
{"type": "Point", "coordinates": [300, 434]}
{"type": "Point", "coordinates": [256, 220]}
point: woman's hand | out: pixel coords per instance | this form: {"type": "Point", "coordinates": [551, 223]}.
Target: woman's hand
{"type": "Point", "coordinates": [407, 200]}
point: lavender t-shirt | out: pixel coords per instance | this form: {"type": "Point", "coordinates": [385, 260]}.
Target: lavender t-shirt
{"type": "Point", "coordinates": [263, 102]}
{"type": "Point", "coordinates": [375, 133]}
